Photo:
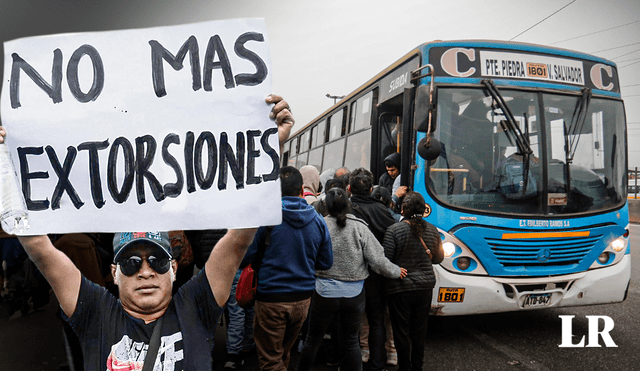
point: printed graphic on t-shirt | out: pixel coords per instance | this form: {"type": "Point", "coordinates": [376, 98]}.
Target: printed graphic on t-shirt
{"type": "Point", "coordinates": [129, 355]}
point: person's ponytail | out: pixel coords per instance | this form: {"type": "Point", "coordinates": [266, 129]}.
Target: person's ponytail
{"type": "Point", "coordinates": [413, 207]}
{"type": "Point", "coordinates": [338, 205]}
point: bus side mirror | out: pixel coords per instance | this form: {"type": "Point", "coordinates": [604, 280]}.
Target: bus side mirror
{"type": "Point", "coordinates": [422, 106]}
{"type": "Point", "coordinates": [429, 148]}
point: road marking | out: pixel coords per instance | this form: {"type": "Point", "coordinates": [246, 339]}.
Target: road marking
{"type": "Point", "coordinates": [510, 353]}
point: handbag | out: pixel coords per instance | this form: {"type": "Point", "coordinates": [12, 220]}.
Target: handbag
{"type": "Point", "coordinates": [247, 286]}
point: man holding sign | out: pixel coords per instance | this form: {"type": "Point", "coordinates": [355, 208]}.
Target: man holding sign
{"type": "Point", "coordinates": [116, 334]}
{"type": "Point", "coordinates": [132, 141]}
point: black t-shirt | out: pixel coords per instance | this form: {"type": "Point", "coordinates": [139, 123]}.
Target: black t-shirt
{"type": "Point", "coordinates": [113, 340]}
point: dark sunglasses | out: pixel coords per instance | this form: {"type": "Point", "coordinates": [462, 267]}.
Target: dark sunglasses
{"type": "Point", "coordinates": [131, 265]}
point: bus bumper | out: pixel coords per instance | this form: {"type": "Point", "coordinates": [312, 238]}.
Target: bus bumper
{"type": "Point", "coordinates": [504, 294]}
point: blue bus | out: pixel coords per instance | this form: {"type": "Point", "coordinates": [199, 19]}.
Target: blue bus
{"type": "Point", "coordinates": [520, 152]}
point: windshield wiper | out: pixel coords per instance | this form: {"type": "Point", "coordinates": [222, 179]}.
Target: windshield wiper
{"type": "Point", "coordinates": [573, 132]}
{"type": "Point", "coordinates": [513, 132]}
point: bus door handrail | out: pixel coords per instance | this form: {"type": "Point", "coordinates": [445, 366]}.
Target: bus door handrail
{"type": "Point", "coordinates": [431, 73]}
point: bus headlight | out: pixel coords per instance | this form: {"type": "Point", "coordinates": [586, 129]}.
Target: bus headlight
{"type": "Point", "coordinates": [619, 244]}
{"type": "Point", "coordinates": [449, 249]}
{"type": "Point", "coordinates": [458, 258]}
{"type": "Point", "coordinates": [613, 253]}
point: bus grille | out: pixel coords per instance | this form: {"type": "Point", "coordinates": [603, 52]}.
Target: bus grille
{"type": "Point", "coordinates": [538, 252]}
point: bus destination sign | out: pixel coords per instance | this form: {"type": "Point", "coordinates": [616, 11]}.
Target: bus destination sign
{"type": "Point", "coordinates": [531, 66]}
{"type": "Point", "coordinates": [508, 64]}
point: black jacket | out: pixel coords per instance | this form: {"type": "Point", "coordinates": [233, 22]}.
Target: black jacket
{"type": "Point", "coordinates": [386, 181]}
{"type": "Point", "coordinates": [403, 248]}
{"type": "Point", "coordinates": [374, 212]}
{"type": "Point", "coordinates": [202, 242]}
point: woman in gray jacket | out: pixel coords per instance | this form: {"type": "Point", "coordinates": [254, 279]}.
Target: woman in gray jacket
{"type": "Point", "coordinates": [339, 290]}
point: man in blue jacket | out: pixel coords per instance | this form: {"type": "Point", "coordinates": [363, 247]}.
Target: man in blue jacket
{"type": "Point", "coordinates": [286, 279]}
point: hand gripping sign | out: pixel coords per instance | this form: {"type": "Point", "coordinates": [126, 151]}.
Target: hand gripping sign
{"type": "Point", "coordinates": [150, 129]}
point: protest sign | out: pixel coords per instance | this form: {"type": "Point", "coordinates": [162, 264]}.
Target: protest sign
{"type": "Point", "coordinates": [150, 129]}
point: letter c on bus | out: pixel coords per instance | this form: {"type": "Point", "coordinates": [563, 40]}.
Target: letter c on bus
{"type": "Point", "coordinates": [449, 62]}
{"type": "Point", "coordinates": [596, 76]}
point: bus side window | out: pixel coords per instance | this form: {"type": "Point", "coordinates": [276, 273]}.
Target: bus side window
{"type": "Point", "coordinates": [361, 113]}
{"type": "Point", "coordinates": [321, 136]}
{"type": "Point", "coordinates": [333, 155]}
{"type": "Point", "coordinates": [304, 141]}
{"type": "Point", "coordinates": [358, 150]}
{"type": "Point", "coordinates": [337, 125]}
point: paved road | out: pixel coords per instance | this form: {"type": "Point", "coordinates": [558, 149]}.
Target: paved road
{"type": "Point", "coordinates": [508, 341]}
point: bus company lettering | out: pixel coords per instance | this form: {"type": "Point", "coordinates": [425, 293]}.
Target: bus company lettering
{"type": "Point", "coordinates": [568, 74]}
{"type": "Point", "coordinates": [545, 223]}
{"type": "Point", "coordinates": [529, 66]}
{"type": "Point", "coordinates": [596, 76]}
{"type": "Point", "coordinates": [399, 82]}
{"type": "Point", "coordinates": [513, 69]}
{"type": "Point", "coordinates": [449, 61]}
{"type": "Point", "coordinates": [508, 68]}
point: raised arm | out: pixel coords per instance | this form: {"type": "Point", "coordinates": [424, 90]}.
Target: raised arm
{"type": "Point", "coordinates": [55, 266]}
{"type": "Point", "coordinates": [224, 261]}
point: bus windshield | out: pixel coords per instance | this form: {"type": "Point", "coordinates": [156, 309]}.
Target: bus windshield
{"type": "Point", "coordinates": [556, 154]}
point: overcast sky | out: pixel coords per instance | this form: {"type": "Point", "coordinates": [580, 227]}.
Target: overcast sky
{"type": "Point", "coordinates": [333, 46]}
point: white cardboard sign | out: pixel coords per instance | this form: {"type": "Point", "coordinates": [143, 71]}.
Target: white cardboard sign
{"type": "Point", "coordinates": [150, 129]}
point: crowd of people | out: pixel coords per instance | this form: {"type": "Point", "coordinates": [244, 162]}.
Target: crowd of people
{"type": "Point", "coordinates": [351, 259]}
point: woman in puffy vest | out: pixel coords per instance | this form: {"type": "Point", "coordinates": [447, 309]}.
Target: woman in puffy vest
{"type": "Point", "coordinates": [416, 245]}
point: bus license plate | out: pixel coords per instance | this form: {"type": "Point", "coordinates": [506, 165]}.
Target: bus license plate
{"type": "Point", "coordinates": [451, 295]}
{"type": "Point", "coordinates": [537, 300]}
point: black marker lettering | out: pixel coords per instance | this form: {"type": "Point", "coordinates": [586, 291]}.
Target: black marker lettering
{"type": "Point", "coordinates": [244, 53]}
{"type": "Point", "coordinates": [215, 46]}
{"type": "Point", "coordinates": [98, 74]}
{"type": "Point", "coordinates": [252, 153]}
{"type": "Point", "coordinates": [275, 158]}
{"type": "Point", "coordinates": [172, 190]}
{"type": "Point", "coordinates": [144, 160]}
{"type": "Point", "coordinates": [26, 177]}
{"type": "Point", "coordinates": [120, 196]}
{"type": "Point", "coordinates": [235, 162]}
{"type": "Point", "coordinates": [188, 162]}
{"type": "Point", "coordinates": [54, 91]}
{"type": "Point", "coordinates": [205, 181]}
{"type": "Point", "coordinates": [94, 169]}
{"type": "Point", "coordinates": [63, 177]}
{"type": "Point", "coordinates": [158, 53]}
